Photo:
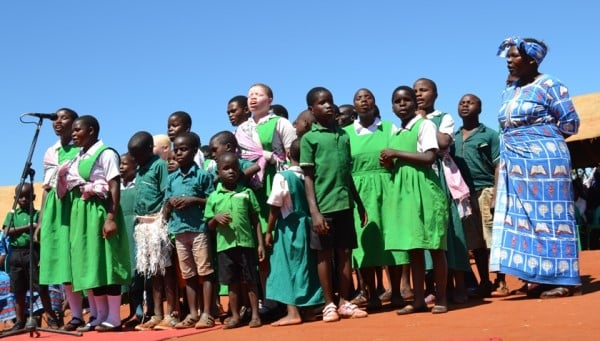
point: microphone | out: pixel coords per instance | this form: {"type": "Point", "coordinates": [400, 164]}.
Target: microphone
{"type": "Point", "coordinates": [51, 117]}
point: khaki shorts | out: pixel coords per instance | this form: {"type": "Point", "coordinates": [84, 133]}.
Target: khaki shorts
{"type": "Point", "coordinates": [193, 251]}
{"type": "Point", "coordinates": [478, 226]}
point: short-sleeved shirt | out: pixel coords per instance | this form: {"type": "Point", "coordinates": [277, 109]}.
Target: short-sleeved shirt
{"type": "Point", "coordinates": [20, 218]}
{"type": "Point", "coordinates": [426, 137]}
{"type": "Point", "coordinates": [240, 203]}
{"type": "Point", "coordinates": [150, 183]}
{"type": "Point", "coordinates": [280, 193]}
{"type": "Point", "coordinates": [327, 150]}
{"type": "Point", "coordinates": [195, 183]}
{"type": "Point", "coordinates": [447, 123]}
{"type": "Point", "coordinates": [477, 156]}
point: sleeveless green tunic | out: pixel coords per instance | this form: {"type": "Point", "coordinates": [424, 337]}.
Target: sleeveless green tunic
{"type": "Point", "coordinates": [55, 251]}
{"type": "Point", "coordinates": [458, 253]}
{"type": "Point", "coordinates": [374, 184]}
{"type": "Point", "coordinates": [421, 210]}
{"type": "Point", "coordinates": [266, 131]}
{"type": "Point", "coordinates": [128, 208]}
{"type": "Point", "coordinates": [96, 261]}
{"type": "Point", "coordinates": [293, 278]}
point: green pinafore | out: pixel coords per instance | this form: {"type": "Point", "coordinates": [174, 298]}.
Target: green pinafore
{"type": "Point", "coordinates": [421, 213]}
{"type": "Point", "coordinates": [96, 261]}
{"type": "Point", "coordinates": [374, 185]}
{"type": "Point", "coordinates": [266, 131]}
{"type": "Point", "coordinates": [55, 251]}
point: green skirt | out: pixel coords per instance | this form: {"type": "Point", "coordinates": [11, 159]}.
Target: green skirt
{"type": "Point", "coordinates": [97, 261]}
{"type": "Point", "coordinates": [374, 189]}
{"type": "Point", "coordinates": [55, 249]}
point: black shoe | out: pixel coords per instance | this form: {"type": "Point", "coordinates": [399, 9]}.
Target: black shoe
{"type": "Point", "coordinates": [75, 323]}
{"type": "Point", "coordinates": [17, 326]}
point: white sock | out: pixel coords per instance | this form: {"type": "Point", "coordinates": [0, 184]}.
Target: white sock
{"type": "Point", "coordinates": [92, 302]}
{"type": "Point", "coordinates": [75, 302]}
{"type": "Point", "coordinates": [102, 309]}
{"type": "Point", "coordinates": [114, 310]}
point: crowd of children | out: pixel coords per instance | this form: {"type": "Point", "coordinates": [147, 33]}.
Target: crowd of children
{"type": "Point", "coordinates": [277, 213]}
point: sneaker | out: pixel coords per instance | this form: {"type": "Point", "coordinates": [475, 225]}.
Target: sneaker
{"type": "Point", "coordinates": [330, 313]}
{"type": "Point", "coordinates": [169, 322]}
{"type": "Point", "coordinates": [150, 324]}
{"type": "Point", "coordinates": [349, 310]}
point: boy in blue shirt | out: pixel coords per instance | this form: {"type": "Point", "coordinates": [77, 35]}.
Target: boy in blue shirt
{"type": "Point", "coordinates": [185, 198]}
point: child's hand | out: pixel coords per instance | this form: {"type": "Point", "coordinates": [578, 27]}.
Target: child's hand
{"type": "Point", "coordinates": [319, 224]}
{"type": "Point", "coordinates": [223, 218]}
{"type": "Point", "coordinates": [180, 203]}
{"type": "Point", "coordinates": [386, 158]}
{"type": "Point", "coordinates": [36, 235]}
{"type": "Point", "coordinates": [364, 218]}
{"type": "Point", "coordinates": [268, 239]}
{"type": "Point", "coordinates": [109, 228]}
{"type": "Point", "coordinates": [261, 253]}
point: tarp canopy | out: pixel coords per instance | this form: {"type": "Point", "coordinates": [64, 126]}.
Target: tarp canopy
{"type": "Point", "coordinates": [585, 145]}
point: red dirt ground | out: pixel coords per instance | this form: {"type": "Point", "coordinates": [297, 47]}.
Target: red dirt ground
{"type": "Point", "coordinates": [511, 318]}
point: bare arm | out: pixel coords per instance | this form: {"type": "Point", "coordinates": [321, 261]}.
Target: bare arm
{"type": "Point", "coordinates": [444, 140]}
{"type": "Point", "coordinates": [362, 213]}
{"type": "Point", "coordinates": [250, 171]}
{"type": "Point", "coordinates": [36, 234]}
{"type": "Point", "coordinates": [259, 237]}
{"type": "Point", "coordinates": [114, 200]}
{"type": "Point", "coordinates": [319, 224]}
{"type": "Point", "coordinates": [273, 214]}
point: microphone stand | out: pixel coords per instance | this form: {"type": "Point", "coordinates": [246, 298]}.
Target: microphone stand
{"type": "Point", "coordinates": [31, 326]}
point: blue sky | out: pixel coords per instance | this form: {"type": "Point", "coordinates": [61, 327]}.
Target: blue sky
{"type": "Point", "coordinates": [132, 63]}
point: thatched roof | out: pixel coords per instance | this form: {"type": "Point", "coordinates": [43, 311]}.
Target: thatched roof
{"type": "Point", "coordinates": [588, 108]}
{"type": "Point", "coordinates": [585, 146]}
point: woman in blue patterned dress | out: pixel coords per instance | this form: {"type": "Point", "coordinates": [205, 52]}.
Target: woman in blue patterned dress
{"type": "Point", "coordinates": [534, 235]}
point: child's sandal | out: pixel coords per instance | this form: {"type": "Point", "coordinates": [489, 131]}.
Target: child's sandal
{"type": "Point", "coordinates": [330, 313]}
{"type": "Point", "coordinates": [75, 323]}
{"type": "Point", "coordinates": [206, 321]}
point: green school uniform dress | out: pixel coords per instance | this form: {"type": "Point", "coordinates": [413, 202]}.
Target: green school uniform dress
{"type": "Point", "coordinates": [96, 261]}
{"type": "Point", "coordinates": [128, 199]}
{"type": "Point", "coordinates": [421, 209]}
{"type": "Point", "coordinates": [266, 131]}
{"type": "Point", "coordinates": [373, 183]}
{"type": "Point", "coordinates": [293, 278]}
{"type": "Point", "coordinates": [55, 250]}
{"type": "Point", "coordinates": [458, 253]}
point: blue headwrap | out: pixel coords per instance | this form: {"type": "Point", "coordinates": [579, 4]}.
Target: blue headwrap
{"type": "Point", "coordinates": [532, 49]}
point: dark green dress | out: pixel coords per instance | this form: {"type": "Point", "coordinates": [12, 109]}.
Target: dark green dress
{"type": "Point", "coordinates": [458, 253]}
{"type": "Point", "coordinates": [293, 278]}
